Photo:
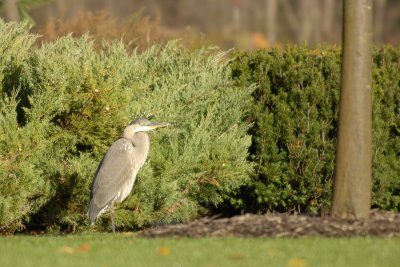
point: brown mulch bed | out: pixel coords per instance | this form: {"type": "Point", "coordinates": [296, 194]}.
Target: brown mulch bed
{"type": "Point", "coordinates": [283, 225]}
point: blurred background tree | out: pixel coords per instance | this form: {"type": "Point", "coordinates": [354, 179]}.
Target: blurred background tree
{"type": "Point", "coordinates": [15, 10]}
{"type": "Point", "coordinates": [228, 23]}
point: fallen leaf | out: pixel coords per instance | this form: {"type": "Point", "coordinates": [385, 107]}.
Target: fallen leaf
{"type": "Point", "coordinates": [164, 251]}
{"type": "Point", "coordinates": [83, 248]}
{"type": "Point", "coordinates": [70, 250]}
{"type": "Point", "coordinates": [67, 250]}
{"type": "Point", "coordinates": [296, 263]}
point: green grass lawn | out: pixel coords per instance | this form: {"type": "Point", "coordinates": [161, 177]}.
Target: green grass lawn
{"type": "Point", "coordinates": [127, 250]}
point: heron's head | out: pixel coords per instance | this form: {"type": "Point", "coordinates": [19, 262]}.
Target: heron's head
{"type": "Point", "coordinates": [143, 125]}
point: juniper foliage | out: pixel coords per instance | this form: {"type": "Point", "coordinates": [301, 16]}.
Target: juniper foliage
{"type": "Point", "coordinates": [29, 149]}
{"type": "Point", "coordinates": [72, 102]}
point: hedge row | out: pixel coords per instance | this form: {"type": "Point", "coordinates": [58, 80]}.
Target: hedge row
{"type": "Point", "coordinates": [295, 124]}
{"type": "Point", "coordinates": [254, 133]}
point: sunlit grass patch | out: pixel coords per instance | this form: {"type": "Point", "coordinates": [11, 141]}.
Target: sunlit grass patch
{"type": "Point", "coordinates": [130, 250]}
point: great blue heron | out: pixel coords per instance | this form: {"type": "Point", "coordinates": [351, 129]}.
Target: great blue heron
{"type": "Point", "coordinates": [118, 169]}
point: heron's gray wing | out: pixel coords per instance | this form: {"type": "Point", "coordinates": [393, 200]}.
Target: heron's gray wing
{"type": "Point", "coordinates": [113, 172]}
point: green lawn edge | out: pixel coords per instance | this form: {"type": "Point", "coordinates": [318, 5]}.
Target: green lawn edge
{"type": "Point", "coordinates": [125, 249]}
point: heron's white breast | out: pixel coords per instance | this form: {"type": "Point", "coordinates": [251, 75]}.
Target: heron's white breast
{"type": "Point", "coordinates": [126, 189]}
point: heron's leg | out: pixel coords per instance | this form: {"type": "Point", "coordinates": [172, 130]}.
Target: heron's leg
{"type": "Point", "coordinates": [112, 216]}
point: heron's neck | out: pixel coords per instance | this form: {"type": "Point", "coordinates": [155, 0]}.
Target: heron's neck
{"type": "Point", "coordinates": [141, 141]}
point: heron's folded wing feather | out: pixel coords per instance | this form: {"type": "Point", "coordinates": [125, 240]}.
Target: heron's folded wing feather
{"type": "Point", "coordinates": [116, 167]}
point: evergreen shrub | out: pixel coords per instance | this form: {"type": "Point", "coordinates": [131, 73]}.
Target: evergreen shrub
{"type": "Point", "coordinates": [28, 159]}
{"type": "Point", "coordinates": [295, 124]}
{"type": "Point", "coordinates": [63, 104]}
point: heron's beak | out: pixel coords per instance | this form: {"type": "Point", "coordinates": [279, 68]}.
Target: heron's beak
{"type": "Point", "coordinates": [155, 125]}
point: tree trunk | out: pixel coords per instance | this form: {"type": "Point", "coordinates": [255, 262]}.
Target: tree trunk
{"type": "Point", "coordinates": [271, 7]}
{"type": "Point", "coordinates": [379, 21]}
{"type": "Point", "coordinates": [306, 20]}
{"type": "Point", "coordinates": [292, 19]}
{"type": "Point", "coordinates": [328, 12]}
{"type": "Point", "coordinates": [352, 186]}
{"type": "Point", "coordinates": [11, 12]}
{"type": "Point", "coordinates": [237, 16]}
